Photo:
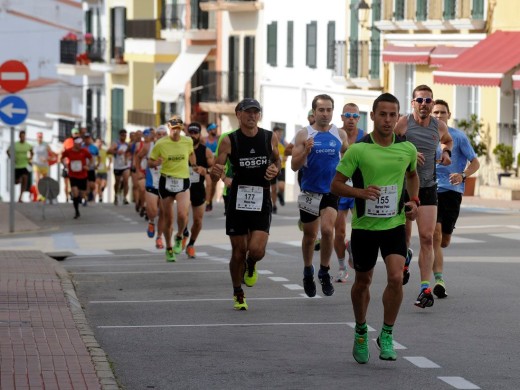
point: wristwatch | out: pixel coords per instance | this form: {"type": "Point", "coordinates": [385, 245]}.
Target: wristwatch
{"type": "Point", "coordinates": [463, 177]}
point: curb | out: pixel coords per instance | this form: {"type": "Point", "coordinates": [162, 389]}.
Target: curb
{"type": "Point", "coordinates": [99, 358]}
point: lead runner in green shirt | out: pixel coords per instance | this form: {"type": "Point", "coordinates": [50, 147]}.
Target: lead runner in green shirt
{"type": "Point", "coordinates": [378, 165]}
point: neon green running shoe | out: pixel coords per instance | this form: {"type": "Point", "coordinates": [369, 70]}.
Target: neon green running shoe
{"type": "Point", "coordinates": [440, 289]}
{"type": "Point", "coordinates": [239, 301]}
{"type": "Point", "coordinates": [177, 247]}
{"type": "Point", "coordinates": [170, 255]}
{"type": "Point", "coordinates": [385, 342]}
{"type": "Point", "coordinates": [250, 275]}
{"type": "Point", "coordinates": [360, 351]}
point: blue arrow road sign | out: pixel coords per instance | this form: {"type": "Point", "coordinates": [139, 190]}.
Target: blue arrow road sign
{"type": "Point", "coordinates": [13, 110]}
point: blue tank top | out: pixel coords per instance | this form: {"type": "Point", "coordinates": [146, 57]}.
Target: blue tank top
{"type": "Point", "coordinates": [320, 167]}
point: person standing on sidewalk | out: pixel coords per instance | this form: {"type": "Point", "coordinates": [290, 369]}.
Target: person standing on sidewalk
{"type": "Point", "coordinates": [77, 163]}
{"type": "Point", "coordinates": [175, 156]}
{"type": "Point", "coordinates": [378, 165]}
{"type": "Point", "coordinates": [205, 160]}
{"type": "Point", "coordinates": [425, 132]}
{"type": "Point", "coordinates": [23, 154]}
{"type": "Point", "coordinates": [350, 118]}
{"type": "Point", "coordinates": [316, 152]}
{"type": "Point", "coordinates": [450, 187]}
{"type": "Point", "coordinates": [253, 153]}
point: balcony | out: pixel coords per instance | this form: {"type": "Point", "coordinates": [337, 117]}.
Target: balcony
{"type": "Point", "coordinates": [221, 91]}
{"type": "Point", "coordinates": [232, 6]}
{"type": "Point", "coordinates": [77, 56]}
{"type": "Point", "coordinates": [145, 29]}
{"type": "Point", "coordinates": [202, 24]}
{"type": "Point", "coordinates": [173, 22]}
{"type": "Point", "coordinates": [143, 118]}
{"type": "Point", "coordinates": [364, 63]}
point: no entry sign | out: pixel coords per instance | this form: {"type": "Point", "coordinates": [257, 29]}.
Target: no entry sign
{"type": "Point", "coordinates": [14, 76]}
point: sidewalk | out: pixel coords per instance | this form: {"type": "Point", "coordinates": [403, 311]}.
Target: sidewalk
{"type": "Point", "coordinates": [45, 341]}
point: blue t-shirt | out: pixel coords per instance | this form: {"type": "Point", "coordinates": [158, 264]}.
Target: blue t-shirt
{"type": "Point", "coordinates": [461, 154]}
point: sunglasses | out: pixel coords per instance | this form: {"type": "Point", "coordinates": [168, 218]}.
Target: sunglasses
{"type": "Point", "coordinates": [425, 100]}
{"type": "Point", "coordinates": [193, 131]}
{"type": "Point", "coordinates": [349, 115]}
{"type": "Point", "coordinates": [174, 122]}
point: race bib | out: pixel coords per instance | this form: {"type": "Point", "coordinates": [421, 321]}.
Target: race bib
{"type": "Point", "coordinates": [76, 166]}
{"type": "Point", "coordinates": [101, 166]}
{"type": "Point", "coordinates": [156, 175]}
{"type": "Point", "coordinates": [385, 206]}
{"type": "Point", "coordinates": [250, 198]}
{"type": "Point", "coordinates": [173, 184]}
{"type": "Point", "coordinates": [310, 202]}
{"type": "Point", "coordinates": [194, 176]}
{"type": "Point", "coordinates": [144, 163]}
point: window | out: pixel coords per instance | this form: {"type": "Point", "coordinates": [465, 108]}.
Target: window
{"type": "Point", "coordinates": [375, 57]}
{"type": "Point", "coordinates": [399, 10]}
{"type": "Point", "coordinates": [449, 9]}
{"type": "Point", "coordinates": [477, 12]}
{"type": "Point", "coordinates": [466, 101]}
{"type": "Point", "coordinates": [249, 66]}
{"type": "Point", "coordinates": [312, 48]}
{"type": "Point", "coordinates": [117, 37]}
{"type": "Point", "coordinates": [422, 10]}
{"type": "Point", "coordinates": [354, 58]}
{"type": "Point", "coordinates": [272, 32]}
{"type": "Point", "coordinates": [118, 113]}
{"type": "Point", "coordinates": [331, 34]}
{"type": "Point", "coordinates": [233, 66]}
{"type": "Point", "coordinates": [290, 44]}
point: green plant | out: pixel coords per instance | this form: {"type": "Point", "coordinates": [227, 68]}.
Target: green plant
{"type": "Point", "coordinates": [473, 129]}
{"type": "Point", "coordinates": [504, 154]}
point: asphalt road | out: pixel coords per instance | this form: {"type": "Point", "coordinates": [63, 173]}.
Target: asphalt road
{"type": "Point", "coordinates": [172, 326]}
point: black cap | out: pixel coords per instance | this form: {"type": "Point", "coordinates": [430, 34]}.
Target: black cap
{"type": "Point", "coordinates": [248, 103]}
{"type": "Point", "coordinates": [194, 126]}
{"type": "Point", "coordinates": [86, 135]}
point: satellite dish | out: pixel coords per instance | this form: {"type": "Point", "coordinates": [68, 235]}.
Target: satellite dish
{"type": "Point", "coordinates": [49, 188]}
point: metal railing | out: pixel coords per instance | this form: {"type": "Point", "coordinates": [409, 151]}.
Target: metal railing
{"type": "Point", "coordinates": [173, 17]}
{"type": "Point", "coordinates": [69, 50]}
{"type": "Point", "coordinates": [144, 118]}
{"type": "Point", "coordinates": [147, 29]}
{"type": "Point", "coordinates": [227, 87]}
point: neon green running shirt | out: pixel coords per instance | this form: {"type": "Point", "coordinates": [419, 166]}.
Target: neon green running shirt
{"type": "Point", "coordinates": [175, 155]}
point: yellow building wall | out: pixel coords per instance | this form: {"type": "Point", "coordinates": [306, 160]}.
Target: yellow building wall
{"type": "Point", "coordinates": [506, 15]}
{"type": "Point", "coordinates": [141, 85]}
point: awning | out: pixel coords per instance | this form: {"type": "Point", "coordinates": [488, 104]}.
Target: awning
{"type": "Point", "coordinates": [516, 80]}
{"type": "Point", "coordinates": [485, 64]}
{"type": "Point", "coordinates": [173, 83]}
{"type": "Point", "coordinates": [407, 54]}
{"type": "Point", "coordinates": [443, 55]}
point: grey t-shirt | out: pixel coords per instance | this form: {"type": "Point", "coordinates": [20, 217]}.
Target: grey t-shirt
{"type": "Point", "coordinates": [426, 140]}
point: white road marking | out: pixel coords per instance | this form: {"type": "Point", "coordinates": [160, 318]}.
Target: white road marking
{"type": "Point", "coordinates": [463, 240]}
{"type": "Point", "coordinates": [508, 236]}
{"type": "Point", "coordinates": [91, 252]}
{"type": "Point", "coordinates": [293, 243]}
{"type": "Point", "coordinates": [264, 272]}
{"type": "Point", "coordinates": [192, 300]}
{"type": "Point", "coordinates": [274, 253]}
{"type": "Point", "coordinates": [145, 272]}
{"type": "Point", "coordinates": [353, 326]}
{"type": "Point", "coordinates": [458, 382]}
{"type": "Point", "coordinates": [219, 325]}
{"type": "Point", "coordinates": [305, 295]}
{"type": "Point", "coordinates": [396, 344]}
{"type": "Point", "coordinates": [226, 247]}
{"type": "Point", "coordinates": [278, 279]}
{"type": "Point", "coordinates": [64, 241]}
{"type": "Point", "coordinates": [293, 287]}
{"type": "Point", "coordinates": [421, 362]}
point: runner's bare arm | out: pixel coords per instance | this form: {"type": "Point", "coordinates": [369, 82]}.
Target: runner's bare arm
{"type": "Point", "coordinates": [224, 150]}
{"type": "Point", "coordinates": [302, 148]}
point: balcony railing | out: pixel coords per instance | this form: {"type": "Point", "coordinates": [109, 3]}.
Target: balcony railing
{"type": "Point", "coordinates": [147, 29]}
{"type": "Point", "coordinates": [173, 17]}
{"type": "Point", "coordinates": [144, 118]}
{"type": "Point", "coordinates": [227, 87]}
{"type": "Point", "coordinates": [93, 52]}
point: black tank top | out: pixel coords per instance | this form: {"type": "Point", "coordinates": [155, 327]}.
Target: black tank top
{"type": "Point", "coordinates": [250, 157]}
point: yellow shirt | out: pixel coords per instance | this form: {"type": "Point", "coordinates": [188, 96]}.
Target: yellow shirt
{"type": "Point", "coordinates": [175, 155]}
{"type": "Point", "coordinates": [281, 151]}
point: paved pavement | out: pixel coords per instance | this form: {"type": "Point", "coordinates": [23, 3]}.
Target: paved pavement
{"type": "Point", "coordinates": [45, 341]}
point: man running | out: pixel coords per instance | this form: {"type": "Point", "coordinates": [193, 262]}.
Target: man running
{"type": "Point", "coordinates": [205, 160]}
{"type": "Point", "coordinates": [316, 151]}
{"type": "Point", "coordinates": [253, 152]}
{"type": "Point", "coordinates": [23, 154]}
{"type": "Point", "coordinates": [175, 155]}
{"type": "Point", "coordinates": [425, 132]}
{"type": "Point", "coordinates": [102, 169]}
{"type": "Point", "coordinates": [120, 151]}
{"type": "Point", "coordinates": [350, 118]}
{"type": "Point", "coordinates": [77, 160]}
{"type": "Point", "coordinates": [450, 187]}
{"type": "Point", "coordinates": [40, 161]}
{"type": "Point", "coordinates": [378, 165]}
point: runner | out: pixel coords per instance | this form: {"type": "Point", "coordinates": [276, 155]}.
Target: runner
{"type": "Point", "coordinates": [205, 160]}
{"type": "Point", "coordinates": [377, 166]}
{"type": "Point", "coordinates": [211, 143]}
{"type": "Point", "coordinates": [40, 161]}
{"type": "Point", "coordinates": [350, 118]}
{"type": "Point", "coordinates": [425, 132]}
{"type": "Point", "coordinates": [23, 154]}
{"type": "Point", "coordinates": [102, 169]}
{"type": "Point", "coordinates": [77, 161]}
{"type": "Point", "coordinates": [93, 162]}
{"type": "Point", "coordinates": [317, 151]}
{"type": "Point", "coordinates": [253, 152]}
{"type": "Point", "coordinates": [119, 150]}
{"type": "Point", "coordinates": [175, 155]}
{"type": "Point", "coordinates": [450, 187]}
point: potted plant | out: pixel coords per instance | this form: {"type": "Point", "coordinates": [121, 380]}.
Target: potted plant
{"type": "Point", "coordinates": [505, 158]}
{"type": "Point", "coordinates": [472, 127]}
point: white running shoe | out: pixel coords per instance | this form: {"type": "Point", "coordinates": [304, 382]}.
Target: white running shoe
{"type": "Point", "coordinates": [342, 276]}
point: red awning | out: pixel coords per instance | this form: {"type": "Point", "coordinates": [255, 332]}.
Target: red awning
{"type": "Point", "coordinates": [485, 64]}
{"type": "Point", "coordinates": [516, 80]}
{"type": "Point", "coordinates": [443, 55]}
{"type": "Point", "coordinates": [407, 54]}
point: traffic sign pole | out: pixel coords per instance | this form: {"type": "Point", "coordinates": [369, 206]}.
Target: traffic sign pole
{"type": "Point", "coordinates": [11, 188]}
